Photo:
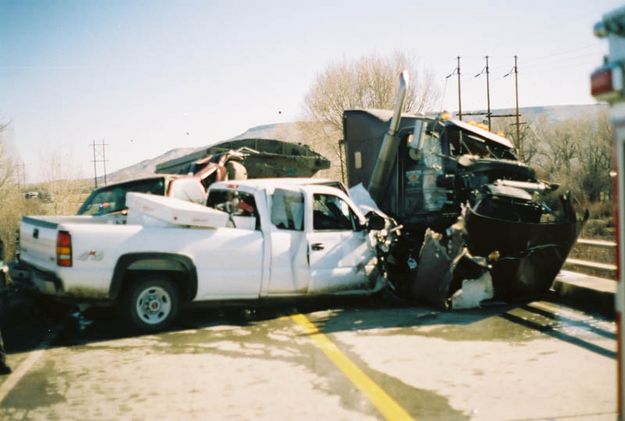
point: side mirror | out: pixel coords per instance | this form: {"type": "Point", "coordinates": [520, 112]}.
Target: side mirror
{"type": "Point", "coordinates": [375, 222]}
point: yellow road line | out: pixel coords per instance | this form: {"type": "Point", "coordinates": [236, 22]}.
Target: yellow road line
{"type": "Point", "coordinates": [387, 406]}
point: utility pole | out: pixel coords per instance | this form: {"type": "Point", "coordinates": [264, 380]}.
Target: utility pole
{"type": "Point", "coordinates": [456, 71]}
{"type": "Point", "coordinates": [486, 70]}
{"type": "Point", "coordinates": [488, 113]}
{"type": "Point", "coordinates": [104, 160]}
{"type": "Point", "coordinates": [515, 70]}
{"type": "Point", "coordinates": [95, 165]}
{"type": "Point", "coordinates": [102, 156]}
{"type": "Point", "coordinates": [516, 94]}
{"type": "Point", "coordinates": [459, 91]}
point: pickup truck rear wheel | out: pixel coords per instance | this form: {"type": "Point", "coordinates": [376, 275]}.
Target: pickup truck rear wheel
{"type": "Point", "coordinates": [151, 303]}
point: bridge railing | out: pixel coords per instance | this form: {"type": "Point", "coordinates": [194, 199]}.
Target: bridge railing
{"type": "Point", "coordinates": [593, 257]}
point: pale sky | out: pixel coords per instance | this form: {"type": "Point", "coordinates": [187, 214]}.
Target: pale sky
{"type": "Point", "coordinates": [149, 76]}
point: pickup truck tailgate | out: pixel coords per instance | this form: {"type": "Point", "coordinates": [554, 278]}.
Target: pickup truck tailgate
{"type": "Point", "coordinates": [38, 241]}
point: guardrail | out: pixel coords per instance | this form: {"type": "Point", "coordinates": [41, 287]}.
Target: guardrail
{"type": "Point", "coordinates": [593, 257]}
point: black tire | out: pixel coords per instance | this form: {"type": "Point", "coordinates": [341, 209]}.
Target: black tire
{"type": "Point", "coordinates": [151, 303]}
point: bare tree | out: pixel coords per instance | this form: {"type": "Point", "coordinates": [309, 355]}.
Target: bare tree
{"type": "Point", "coordinates": [8, 167]}
{"type": "Point", "coordinates": [12, 202]}
{"type": "Point", "coordinates": [367, 82]}
{"type": "Point", "coordinates": [527, 144]}
{"type": "Point", "coordinates": [63, 182]}
{"type": "Point", "coordinates": [577, 153]}
{"type": "Point", "coordinates": [560, 148]}
{"type": "Point", "coordinates": [595, 158]}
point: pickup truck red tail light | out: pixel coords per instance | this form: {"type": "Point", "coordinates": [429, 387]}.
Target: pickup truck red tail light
{"type": "Point", "coordinates": [64, 249]}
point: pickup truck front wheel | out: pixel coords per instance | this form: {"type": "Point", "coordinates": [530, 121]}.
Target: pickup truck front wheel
{"type": "Point", "coordinates": [151, 303]}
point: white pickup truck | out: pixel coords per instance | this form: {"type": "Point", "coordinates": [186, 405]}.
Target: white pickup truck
{"type": "Point", "coordinates": [254, 239]}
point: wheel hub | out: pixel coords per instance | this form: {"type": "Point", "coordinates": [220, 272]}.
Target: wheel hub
{"type": "Point", "coordinates": [153, 305]}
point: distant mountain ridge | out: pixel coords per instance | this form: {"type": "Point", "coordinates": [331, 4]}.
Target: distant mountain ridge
{"type": "Point", "coordinates": [147, 166]}
{"type": "Point", "coordinates": [554, 113]}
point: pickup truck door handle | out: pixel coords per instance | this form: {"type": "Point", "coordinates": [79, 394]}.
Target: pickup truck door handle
{"type": "Point", "coordinates": [317, 246]}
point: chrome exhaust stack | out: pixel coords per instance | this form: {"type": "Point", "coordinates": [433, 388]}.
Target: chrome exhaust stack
{"type": "Point", "coordinates": [378, 185]}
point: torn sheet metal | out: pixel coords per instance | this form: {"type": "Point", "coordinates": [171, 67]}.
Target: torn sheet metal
{"type": "Point", "coordinates": [447, 275]}
{"type": "Point", "coordinates": [361, 197]}
{"type": "Point", "coordinates": [433, 276]}
{"type": "Point", "coordinates": [440, 253]}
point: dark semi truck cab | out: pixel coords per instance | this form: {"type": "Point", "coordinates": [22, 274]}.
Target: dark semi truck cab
{"type": "Point", "coordinates": [429, 173]}
{"type": "Point", "coordinates": [439, 163]}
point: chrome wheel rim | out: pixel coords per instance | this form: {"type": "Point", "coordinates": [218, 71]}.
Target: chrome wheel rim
{"type": "Point", "coordinates": [153, 305]}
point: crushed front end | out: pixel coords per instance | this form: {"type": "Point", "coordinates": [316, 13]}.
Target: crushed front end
{"type": "Point", "coordinates": [513, 226]}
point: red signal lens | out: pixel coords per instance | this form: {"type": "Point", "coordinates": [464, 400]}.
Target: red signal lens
{"type": "Point", "coordinates": [606, 83]}
{"type": "Point", "coordinates": [64, 249]}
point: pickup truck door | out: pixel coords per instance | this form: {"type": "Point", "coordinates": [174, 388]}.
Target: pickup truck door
{"type": "Point", "coordinates": [340, 251]}
{"type": "Point", "coordinates": [289, 274]}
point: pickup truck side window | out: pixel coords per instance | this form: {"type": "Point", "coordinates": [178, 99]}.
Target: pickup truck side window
{"type": "Point", "coordinates": [233, 202]}
{"type": "Point", "coordinates": [287, 210]}
{"type": "Point", "coordinates": [331, 213]}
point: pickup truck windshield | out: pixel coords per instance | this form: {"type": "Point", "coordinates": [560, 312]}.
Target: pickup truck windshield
{"type": "Point", "coordinates": [112, 198]}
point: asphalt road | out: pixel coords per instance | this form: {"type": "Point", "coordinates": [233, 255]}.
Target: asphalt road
{"type": "Point", "coordinates": [328, 360]}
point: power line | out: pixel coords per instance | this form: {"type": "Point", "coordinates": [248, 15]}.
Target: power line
{"type": "Point", "coordinates": [489, 115]}
{"type": "Point", "coordinates": [563, 60]}
{"type": "Point", "coordinates": [531, 61]}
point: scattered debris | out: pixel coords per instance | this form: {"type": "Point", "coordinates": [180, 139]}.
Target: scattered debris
{"type": "Point", "coordinates": [473, 292]}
